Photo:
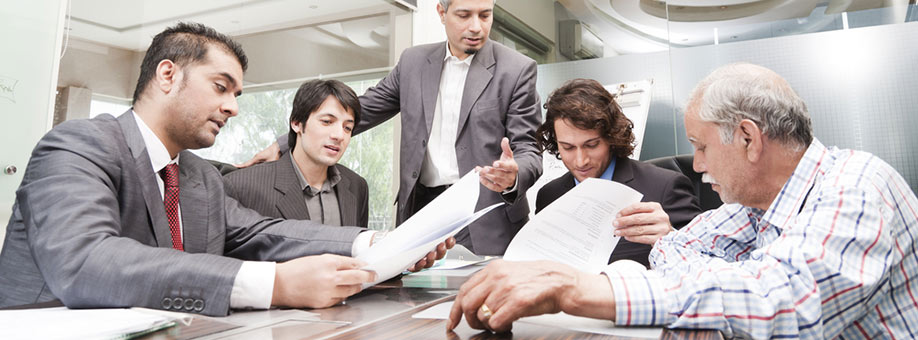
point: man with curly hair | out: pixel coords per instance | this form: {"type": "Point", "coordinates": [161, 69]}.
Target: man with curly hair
{"type": "Point", "coordinates": [587, 130]}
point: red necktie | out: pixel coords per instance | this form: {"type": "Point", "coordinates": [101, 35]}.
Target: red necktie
{"type": "Point", "coordinates": [171, 199]}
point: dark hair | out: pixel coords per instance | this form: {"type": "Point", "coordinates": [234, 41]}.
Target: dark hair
{"type": "Point", "coordinates": [587, 105]}
{"type": "Point", "coordinates": [183, 44]}
{"type": "Point", "coordinates": [312, 94]}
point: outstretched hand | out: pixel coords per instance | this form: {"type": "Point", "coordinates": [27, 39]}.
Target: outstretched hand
{"type": "Point", "coordinates": [501, 175]}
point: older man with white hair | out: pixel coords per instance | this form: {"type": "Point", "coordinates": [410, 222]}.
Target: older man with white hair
{"type": "Point", "coordinates": [814, 241]}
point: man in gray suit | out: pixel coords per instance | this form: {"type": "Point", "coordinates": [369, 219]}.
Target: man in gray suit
{"type": "Point", "coordinates": [465, 103]}
{"type": "Point", "coordinates": [95, 226]}
{"type": "Point", "coordinates": [307, 183]}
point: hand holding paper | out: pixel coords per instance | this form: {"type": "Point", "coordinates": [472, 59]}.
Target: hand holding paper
{"type": "Point", "coordinates": [432, 257]}
{"type": "Point", "coordinates": [642, 222]}
{"type": "Point", "coordinates": [577, 228]}
{"type": "Point", "coordinates": [573, 237]}
{"type": "Point", "coordinates": [434, 224]}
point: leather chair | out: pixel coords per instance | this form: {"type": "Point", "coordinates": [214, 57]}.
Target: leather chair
{"type": "Point", "coordinates": [707, 197]}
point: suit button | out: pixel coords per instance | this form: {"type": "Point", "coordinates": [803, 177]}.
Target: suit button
{"type": "Point", "coordinates": [414, 174]}
{"type": "Point", "coordinates": [423, 143]}
{"type": "Point", "coordinates": [198, 305]}
{"type": "Point", "coordinates": [167, 303]}
{"type": "Point", "coordinates": [189, 304]}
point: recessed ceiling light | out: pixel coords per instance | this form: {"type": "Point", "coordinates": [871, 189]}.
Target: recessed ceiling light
{"type": "Point", "coordinates": [234, 22]}
{"type": "Point", "coordinates": [313, 6]}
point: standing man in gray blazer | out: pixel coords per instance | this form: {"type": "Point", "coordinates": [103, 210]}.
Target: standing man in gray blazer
{"type": "Point", "coordinates": [307, 183]}
{"type": "Point", "coordinates": [114, 212]}
{"type": "Point", "coordinates": [465, 103]}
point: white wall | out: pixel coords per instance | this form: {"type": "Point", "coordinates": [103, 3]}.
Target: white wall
{"type": "Point", "coordinates": [283, 55]}
{"type": "Point", "coordinates": [538, 14]}
{"type": "Point", "coordinates": [106, 70]}
{"type": "Point", "coordinates": [427, 27]}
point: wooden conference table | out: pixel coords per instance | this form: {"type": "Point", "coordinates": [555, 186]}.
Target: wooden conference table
{"type": "Point", "coordinates": [381, 312]}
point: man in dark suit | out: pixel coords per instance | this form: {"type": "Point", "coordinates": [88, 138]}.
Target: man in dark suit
{"type": "Point", "coordinates": [114, 212]}
{"type": "Point", "coordinates": [465, 103]}
{"type": "Point", "coordinates": [588, 131]}
{"type": "Point", "coordinates": [307, 183]}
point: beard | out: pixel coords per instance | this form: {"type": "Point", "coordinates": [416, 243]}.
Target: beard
{"type": "Point", "coordinates": [471, 51]}
{"type": "Point", "coordinates": [187, 129]}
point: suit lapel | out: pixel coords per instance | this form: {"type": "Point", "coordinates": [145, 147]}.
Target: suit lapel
{"type": "Point", "coordinates": [623, 171]}
{"type": "Point", "coordinates": [290, 202]}
{"type": "Point", "coordinates": [195, 206]}
{"type": "Point", "coordinates": [475, 82]}
{"type": "Point", "coordinates": [346, 200]}
{"type": "Point", "coordinates": [430, 84]}
{"type": "Point", "coordinates": [567, 184]}
{"type": "Point", "coordinates": [144, 169]}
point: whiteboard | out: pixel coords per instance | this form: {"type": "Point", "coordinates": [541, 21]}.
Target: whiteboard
{"type": "Point", "coordinates": [31, 32]}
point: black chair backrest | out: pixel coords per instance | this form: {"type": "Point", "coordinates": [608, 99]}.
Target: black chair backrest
{"type": "Point", "coordinates": [708, 198]}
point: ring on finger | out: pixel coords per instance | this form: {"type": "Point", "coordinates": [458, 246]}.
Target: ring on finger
{"type": "Point", "coordinates": [486, 311]}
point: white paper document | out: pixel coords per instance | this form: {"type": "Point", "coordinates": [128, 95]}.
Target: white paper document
{"type": "Point", "coordinates": [560, 320]}
{"type": "Point", "coordinates": [445, 216]}
{"type": "Point", "coordinates": [111, 323]}
{"type": "Point", "coordinates": [576, 229]}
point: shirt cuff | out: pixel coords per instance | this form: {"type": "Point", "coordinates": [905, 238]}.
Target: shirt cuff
{"type": "Point", "coordinates": [513, 188]}
{"type": "Point", "coordinates": [639, 295]}
{"type": "Point", "coordinates": [362, 242]}
{"type": "Point", "coordinates": [253, 286]}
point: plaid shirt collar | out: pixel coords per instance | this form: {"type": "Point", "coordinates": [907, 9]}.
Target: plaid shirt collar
{"type": "Point", "coordinates": [793, 195]}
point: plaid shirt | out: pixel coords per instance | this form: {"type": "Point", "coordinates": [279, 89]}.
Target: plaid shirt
{"type": "Point", "coordinates": [832, 257]}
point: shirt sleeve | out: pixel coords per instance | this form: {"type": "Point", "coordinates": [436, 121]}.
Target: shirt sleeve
{"type": "Point", "coordinates": [727, 270]}
{"type": "Point", "coordinates": [362, 242]}
{"type": "Point", "coordinates": [253, 286]}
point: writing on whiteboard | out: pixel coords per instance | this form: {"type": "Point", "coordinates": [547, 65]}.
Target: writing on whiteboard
{"type": "Point", "coordinates": [8, 88]}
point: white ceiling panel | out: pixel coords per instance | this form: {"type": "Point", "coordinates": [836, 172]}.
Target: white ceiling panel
{"type": "Point", "coordinates": [132, 24]}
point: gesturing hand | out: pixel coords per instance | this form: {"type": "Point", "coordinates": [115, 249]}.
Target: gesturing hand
{"type": "Point", "coordinates": [501, 175]}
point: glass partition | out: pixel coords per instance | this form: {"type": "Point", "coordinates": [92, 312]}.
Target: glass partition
{"type": "Point", "coordinates": [852, 62]}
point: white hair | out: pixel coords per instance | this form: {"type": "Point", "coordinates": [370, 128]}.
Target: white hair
{"type": "Point", "coordinates": [745, 91]}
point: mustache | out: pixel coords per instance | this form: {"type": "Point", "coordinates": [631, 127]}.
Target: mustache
{"type": "Point", "coordinates": [705, 178]}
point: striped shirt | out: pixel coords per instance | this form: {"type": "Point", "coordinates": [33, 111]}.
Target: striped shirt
{"type": "Point", "coordinates": [832, 257]}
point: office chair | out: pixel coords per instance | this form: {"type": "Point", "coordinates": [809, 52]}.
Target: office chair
{"type": "Point", "coordinates": [707, 197]}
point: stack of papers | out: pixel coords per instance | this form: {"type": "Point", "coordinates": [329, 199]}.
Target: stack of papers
{"type": "Point", "coordinates": [445, 216]}
{"type": "Point", "coordinates": [114, 323]}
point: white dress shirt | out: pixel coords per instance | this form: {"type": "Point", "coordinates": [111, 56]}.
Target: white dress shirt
{"type": "Point", "coordinates": [441, 166]}
{"type": "Point", "coordinates": [254, 284]}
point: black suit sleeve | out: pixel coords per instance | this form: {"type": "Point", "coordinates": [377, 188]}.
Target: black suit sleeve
{"type": "Point", "coordinates": [363, 213]}
{"type": "Point", "coordinates": [541, 198]}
